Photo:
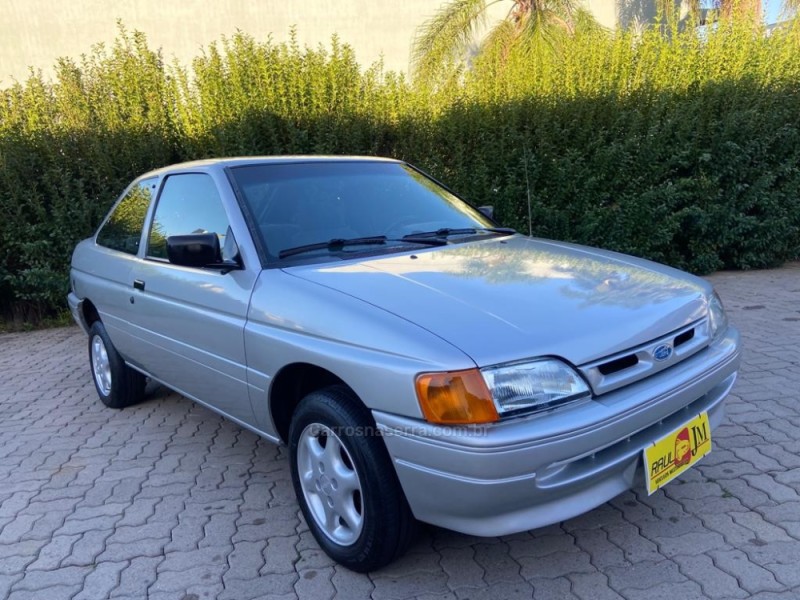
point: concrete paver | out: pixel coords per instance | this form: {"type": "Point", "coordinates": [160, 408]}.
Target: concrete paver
{"type": "Point", "coordinates": [168, 500]}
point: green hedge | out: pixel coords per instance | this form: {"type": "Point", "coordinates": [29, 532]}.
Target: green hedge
{"type": "Point", "coordinates": [679, 147]}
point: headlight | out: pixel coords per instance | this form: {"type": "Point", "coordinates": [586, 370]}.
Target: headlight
{"type": "Point", "coordinates": [483, 396]}
{"type": "Point", "coordinates": [717, 319]}
{"type": "Point", "coordinates": [533, 386]}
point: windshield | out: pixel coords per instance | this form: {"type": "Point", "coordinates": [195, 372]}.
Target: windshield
{"type": "Point", "coordinates": [298, 204]}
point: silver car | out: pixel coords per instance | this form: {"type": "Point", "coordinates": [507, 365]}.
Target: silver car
{"type": "Point", "coordinates": [420, 362]}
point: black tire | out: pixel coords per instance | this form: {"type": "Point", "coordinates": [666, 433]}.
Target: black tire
{"type": "Point", "coordinates": [387, 525]}
{"type": "Point", "coordinates": [126, 386]}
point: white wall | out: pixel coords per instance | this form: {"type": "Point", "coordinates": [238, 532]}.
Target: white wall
{"type": "Point", "coordinates": [36, 32]}
{"type": "Point", "coordinates": [33, 33]}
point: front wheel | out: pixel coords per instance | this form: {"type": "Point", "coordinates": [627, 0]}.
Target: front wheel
{"type": "Point", "coordinates": [116, 383]}
{"type": "Point", "coordinates": [345, 482]}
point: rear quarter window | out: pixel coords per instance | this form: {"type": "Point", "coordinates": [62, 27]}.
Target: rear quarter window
{"type": "Point", "coordinates": [122, 230]}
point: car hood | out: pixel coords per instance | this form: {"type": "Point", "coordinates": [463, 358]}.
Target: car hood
{"type": "Point", "coordinates": [512, 298]}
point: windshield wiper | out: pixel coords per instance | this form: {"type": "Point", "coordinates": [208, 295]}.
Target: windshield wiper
{"type": "Point", "coordinates": [416, 239]}
{"type": "Point", "coordinates": [338, 243]}
{"type": "Point", "coordinates": [447, 231]}
{"type": "Point", "coordinates": [334, 244]}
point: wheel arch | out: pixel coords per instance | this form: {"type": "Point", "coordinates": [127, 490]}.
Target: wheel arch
{"type": "Point", "coordinates": [291, 384]}
{"type": "Point", "coordinates": [89, 312]}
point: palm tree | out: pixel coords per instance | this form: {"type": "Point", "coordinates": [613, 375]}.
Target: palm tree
{"type": "Point", "coordinates": [742, 9]}
{"type": "Point", "coordinates": [446, 39]}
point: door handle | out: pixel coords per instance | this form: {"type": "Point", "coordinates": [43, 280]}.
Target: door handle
{"type": "Point", "coordinates": [138, 284]}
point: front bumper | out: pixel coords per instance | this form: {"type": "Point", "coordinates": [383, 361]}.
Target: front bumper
{"type": "Point", "coordinates": [528, 473]}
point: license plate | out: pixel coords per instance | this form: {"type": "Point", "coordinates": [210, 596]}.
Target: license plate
{"type": "Point", "coordinates": [671, 455]}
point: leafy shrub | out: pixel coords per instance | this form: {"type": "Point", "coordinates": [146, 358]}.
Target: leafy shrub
{"type": "Point", "coordinates": [678, 147]}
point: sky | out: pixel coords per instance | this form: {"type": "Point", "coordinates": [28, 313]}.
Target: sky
{"type": "Point", "coordinates": [772, 10]}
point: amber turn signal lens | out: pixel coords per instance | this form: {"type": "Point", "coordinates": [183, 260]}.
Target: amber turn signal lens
{"type": "Point", "coordinates": [455, 398]}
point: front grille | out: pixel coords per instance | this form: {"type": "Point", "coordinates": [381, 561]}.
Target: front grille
{"type": "Point", "coordinates": [613, 366]}
{"type": "Point", "coordinates": [613, 372]}
{"type": "Point", "coordinates": [684, 337]}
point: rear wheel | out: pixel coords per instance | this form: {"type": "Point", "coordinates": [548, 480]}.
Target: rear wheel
{"type": "Point", "coordinates": [345, 482]}
{"type": "Point", "coordinates": [116, 383]}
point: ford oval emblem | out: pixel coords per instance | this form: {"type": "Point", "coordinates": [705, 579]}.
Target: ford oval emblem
{"type": "Point", "coordinates": [662, 352]}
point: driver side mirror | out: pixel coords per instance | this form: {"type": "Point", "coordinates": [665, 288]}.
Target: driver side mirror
{"type": "Point", "coordinates": [487, 211]}
{"type": "Point", "coordinates": [200, 250]}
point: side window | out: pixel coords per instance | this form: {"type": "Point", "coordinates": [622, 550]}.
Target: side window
{"type": "Point", "coordinates": [123, 229]}
{"type": "Point", "coordinates": [189, 203]}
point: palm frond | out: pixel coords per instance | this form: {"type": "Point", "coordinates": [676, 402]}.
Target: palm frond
{"type": "Point", "coordinates": [499, 42]}
{"type": "Point", "coordinates": [586, 22]}
{"type": "Point", "coordinates": [545, 28]}
{"type": "Point", "coordinates": [445, 37]}
{"type": "Point", "coordinates": [564, 9]}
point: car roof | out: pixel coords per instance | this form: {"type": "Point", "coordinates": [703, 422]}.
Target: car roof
{"type": "Point", "coordinates": [238, 161]}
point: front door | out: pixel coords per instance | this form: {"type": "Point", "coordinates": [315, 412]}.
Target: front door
{"type": "Point", "coordinates": [192, 319]}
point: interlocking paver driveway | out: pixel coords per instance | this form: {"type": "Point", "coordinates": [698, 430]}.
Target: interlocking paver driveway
{"type": "Point", "coordinates": [167, 500]}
